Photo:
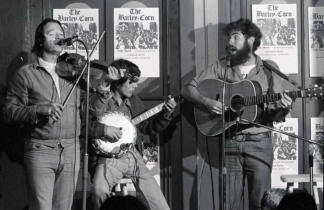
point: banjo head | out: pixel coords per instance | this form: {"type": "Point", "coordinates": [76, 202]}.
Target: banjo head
{"type": "Point", "coordinates": [105, 146]}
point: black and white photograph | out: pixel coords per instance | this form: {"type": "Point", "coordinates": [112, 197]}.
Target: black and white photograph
{"type": "Point", "coordinates": [161, 104]}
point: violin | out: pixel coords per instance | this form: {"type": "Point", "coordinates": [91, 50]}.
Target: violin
{"type": "Point", "coordinates": [70, 65]}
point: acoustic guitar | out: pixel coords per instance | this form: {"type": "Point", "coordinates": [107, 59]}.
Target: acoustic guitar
{"type": "Point", "coordinates": [241, 100]}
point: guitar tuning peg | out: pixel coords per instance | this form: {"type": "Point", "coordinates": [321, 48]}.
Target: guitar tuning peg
{"type": "Point", "coordinates": [316, 85]}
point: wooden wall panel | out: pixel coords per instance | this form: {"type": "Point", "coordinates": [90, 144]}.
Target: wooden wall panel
{"type": "Point", "coordinates": [16, 40]}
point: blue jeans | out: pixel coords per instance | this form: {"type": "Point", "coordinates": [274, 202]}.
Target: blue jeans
{"type": "Point", "coordinates": [51, 168]}
{"type": "Point", "coordinates": [248, 160]}
{"type": "Point", "coordinates": [110, 171]}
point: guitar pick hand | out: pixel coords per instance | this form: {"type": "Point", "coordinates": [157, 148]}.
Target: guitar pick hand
{"type": "Point", "coordinates": [213, 106]}
{"type": "Point", "coordinates": [112, 132]}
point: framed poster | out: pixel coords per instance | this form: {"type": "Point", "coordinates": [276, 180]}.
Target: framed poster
{"type": "Point", "coordinates": [136, 38]}
{"type": "Point", "coordinates": [317, 134]}
{"type": "Point", "coordinates": [285, 152]}
{"type": "Point", "coordinates": [316, 41]}
{"type": "Point", "coordinates": [278, 24]}
{"type": "Point", "coordinates": [83, 23]}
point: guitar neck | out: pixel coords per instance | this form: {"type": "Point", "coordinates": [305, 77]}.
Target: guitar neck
{"type": "Point", "coordinates": [149, 113]}
{"type": "Point", "coordinates": [259, 99]}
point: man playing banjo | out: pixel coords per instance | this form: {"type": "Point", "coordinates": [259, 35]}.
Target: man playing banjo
{"type": "Point", "coordinates": [118, 98]}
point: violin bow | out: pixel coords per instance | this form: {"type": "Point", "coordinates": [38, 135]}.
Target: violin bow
{"type": "Point", "coordinates": [83, 70]}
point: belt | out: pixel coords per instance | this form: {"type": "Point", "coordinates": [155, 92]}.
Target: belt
{"type": "Point", "coordinates": [251, 137]}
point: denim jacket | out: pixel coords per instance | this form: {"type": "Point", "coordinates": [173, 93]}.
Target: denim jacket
{"type": "Point", "coordinates": [31, 86]}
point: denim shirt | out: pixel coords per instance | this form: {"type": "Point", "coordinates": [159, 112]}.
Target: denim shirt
{"type": "Point", "coordinates": [272, 83]}
{"type": "Point", "coordinates": [31, 86]}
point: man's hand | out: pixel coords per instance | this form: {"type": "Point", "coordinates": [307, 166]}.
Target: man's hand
{"type": "Point", "coordinates": [170, 104]}
{"type": "Point", "coordinates": [112, 133]}
{"type": "Point", "coordinates": [169, 107]}
{"type": "Point", "coordinates": [213, 106]}
{"type": "Point", "coordinates": [285, 101]}
{"type": "Point", "coordinates": [52, 110]}
{"type": "Point", "coordinates": [114, 74]}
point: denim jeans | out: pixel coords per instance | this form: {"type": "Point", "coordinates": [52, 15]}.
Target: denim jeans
{"type": "Point", "coordinates": [51, 168]}
{"type": "Point", "coordinates": [248, 160]}
{"type": "Point", "coordinates": [110, 171]}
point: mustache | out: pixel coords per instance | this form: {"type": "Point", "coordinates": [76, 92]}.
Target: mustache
{"type": "Point", "coordinates": [230, 48]}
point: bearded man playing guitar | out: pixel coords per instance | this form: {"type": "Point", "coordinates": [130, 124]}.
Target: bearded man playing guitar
{"type": "Point", "coordinates": [248, 149]}
{"type": "Point", "coordinates": [121, 101]}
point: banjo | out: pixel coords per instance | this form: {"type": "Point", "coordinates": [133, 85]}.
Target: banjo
{"type": "Point", "coordinates": [107, 147]}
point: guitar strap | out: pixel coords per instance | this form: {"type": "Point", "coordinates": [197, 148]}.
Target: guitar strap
{"type": "Point", "coordinates": [271, 68]}
{"type": "Point", "coordinates": [268, 71]}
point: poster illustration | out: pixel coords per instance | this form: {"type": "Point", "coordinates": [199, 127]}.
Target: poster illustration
{"type": "Point", "coordinates": [316, 41]}
{"type": "Point", "coordinates": [136, 38]}
{"type": "Point", "coordinates": [278, 24]}
{"type": "Point", "coordinates": [317, 134]}
{"type": "Point", "coordinates": [285, 149]}
{"type": "Point", "coordinates": [152, 159]}
{"type": "Point", "coordinates": [83, 23]}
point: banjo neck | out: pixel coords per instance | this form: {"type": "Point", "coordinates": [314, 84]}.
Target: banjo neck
{"type": "Point", "coordinates": [149, 113]}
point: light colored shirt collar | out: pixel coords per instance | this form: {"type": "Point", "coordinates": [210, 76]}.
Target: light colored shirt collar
{"type": "Point", "coordinates": [48, 66]}
{"type": "Point", "coordinates": [245, 70]}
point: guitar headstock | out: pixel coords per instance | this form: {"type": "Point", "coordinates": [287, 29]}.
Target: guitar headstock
{"type": "Point", "coordinates": [315, 92]}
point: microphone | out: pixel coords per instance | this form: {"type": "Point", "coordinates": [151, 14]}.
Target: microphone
{"type": "Point", "coordinates": [67, 41]}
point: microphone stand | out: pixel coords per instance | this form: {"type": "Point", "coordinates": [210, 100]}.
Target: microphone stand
{"type": "Point", "coordinates": [311, 171]}
{"type": "Point", "coordinates": [86, 68]}
{"type": "Point", "coordinates": [310, 156]}
{"type": "Point", "coordinates": [311, 175]}
{"type": "Point", "coordinates": [280, 131]}
{"type": "Point", "coordinates": [224, 170]}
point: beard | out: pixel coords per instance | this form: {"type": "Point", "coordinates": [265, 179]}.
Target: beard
{"type": "Point", "coordinates": [240, 55]}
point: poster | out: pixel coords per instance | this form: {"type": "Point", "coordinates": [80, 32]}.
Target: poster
{"type": "Point", "coordinates": [151, 159]}
{"type": "Point", "coordinates": [278, 24]}
{"type": "Point", "coordinates": [136, 38]}
{"type": "Point", "coordinates": [317, 134]}
{"type": "Point", "coordinates": [316, 41]}
{"type": "Point", "coordinates": [83, 23]}
{"type": "Point", "coordinates": [285, 149]}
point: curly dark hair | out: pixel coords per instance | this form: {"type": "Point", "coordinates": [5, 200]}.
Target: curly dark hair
{"type": "Point", "coordinates": [132, 71]}
{"type": "Point", "coordinates": [248, 28]}
{"type": "Point", "coordinates": [298, 200]}
{"type": "Point", "coordinates": [38, 47]}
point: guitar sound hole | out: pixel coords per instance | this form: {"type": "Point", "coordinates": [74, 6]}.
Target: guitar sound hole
{"type": "Point", "coordinates": [237, 103]}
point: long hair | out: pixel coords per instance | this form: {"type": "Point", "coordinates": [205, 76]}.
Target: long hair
{"type": "Point", "coordinates": [132, 71]}
{"type": "Point", "coordinates": [248, 28]}
{"type": "Point", "coordinates": [38, 47]}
